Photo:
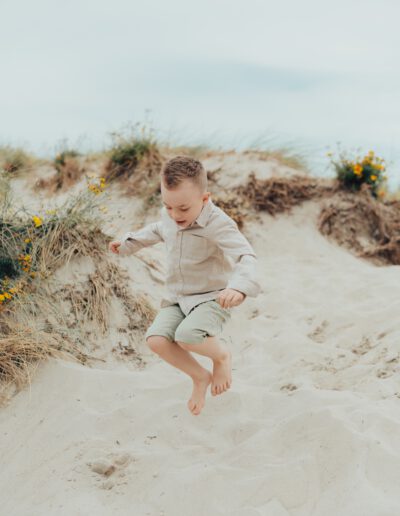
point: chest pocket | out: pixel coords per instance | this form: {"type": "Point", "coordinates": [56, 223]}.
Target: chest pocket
{"type": "Point", "coordinates": [195, 247]}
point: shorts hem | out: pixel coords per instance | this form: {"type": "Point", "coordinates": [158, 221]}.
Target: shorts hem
{"type": "Point", "coordinates": [158, 335]}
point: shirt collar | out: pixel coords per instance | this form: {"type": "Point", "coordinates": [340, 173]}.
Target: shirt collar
{"type": "Point", "coordinates": [201, 219]}
{"type": "Point", "coordinates": [205, 213]}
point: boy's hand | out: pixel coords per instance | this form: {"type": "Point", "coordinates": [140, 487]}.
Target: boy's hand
{"type": "Point", "coordinates": [113, 246]}
{"type": "Point", "coordinates": [230, 297]}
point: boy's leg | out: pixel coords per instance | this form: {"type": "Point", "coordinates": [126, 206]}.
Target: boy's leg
{"type": "Point", "coordinates": [197, 332]}
{"type": "Point", "coordinates": [177, 356]}
{"type": "Point", "coordinates": [160, 339]}
{"type": "Point", "coordinates": [183, 360]}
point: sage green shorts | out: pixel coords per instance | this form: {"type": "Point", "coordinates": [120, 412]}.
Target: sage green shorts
{"type": "Point", "coordinates": [205, 319]}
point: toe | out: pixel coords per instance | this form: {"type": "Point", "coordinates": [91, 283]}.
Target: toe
{"type": "Point", "coordinates": [197, 409]}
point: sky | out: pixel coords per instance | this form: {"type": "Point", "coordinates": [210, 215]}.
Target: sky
{"type": "Point", "coordinates": [310, 74]}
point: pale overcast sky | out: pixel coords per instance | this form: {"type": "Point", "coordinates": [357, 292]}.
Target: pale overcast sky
{"type": "Point", "coordinates": [227, 72]}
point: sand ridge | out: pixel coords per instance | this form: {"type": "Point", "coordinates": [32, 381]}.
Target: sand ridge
{"type": "Point", "coordinates": [310, 426]}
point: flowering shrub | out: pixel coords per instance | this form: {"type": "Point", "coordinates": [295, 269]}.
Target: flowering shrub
{"type": "Point", "coordinates": [353, 173]}
{"type": "Point", "coordinates": [31, 246]}
{"type": "Point", "coordinates": [98, 185]}
{"type": "Point", "coordinates": [7, 292]}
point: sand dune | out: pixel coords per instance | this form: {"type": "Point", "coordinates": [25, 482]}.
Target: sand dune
{"type": "Point", "coordinates": [310, 426]}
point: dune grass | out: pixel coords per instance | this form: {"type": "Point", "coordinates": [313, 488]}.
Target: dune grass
{"type": "Point", "coordinates": [14, 160]}
{"type": "Point", "coordinates": [39, 315]}
{"type": "Point", "coordinates": [128, 149]}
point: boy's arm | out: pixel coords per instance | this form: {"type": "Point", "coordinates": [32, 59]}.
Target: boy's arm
{"type": "Point", "coordinates": [132, 241]}
{"type": "Point", "coordinates": [235, 245]}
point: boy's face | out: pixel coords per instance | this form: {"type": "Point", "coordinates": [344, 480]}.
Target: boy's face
{"type": "Point", "coordinates": [184, 203]}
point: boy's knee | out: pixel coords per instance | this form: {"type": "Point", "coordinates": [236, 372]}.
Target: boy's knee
{"type": "Point", "coordinates": [156, 343]}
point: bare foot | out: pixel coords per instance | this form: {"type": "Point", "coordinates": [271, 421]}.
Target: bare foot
{"type": "Point", "coordinates": [196, 402]}
{"type": "Point", "coordinates": [222, 375]}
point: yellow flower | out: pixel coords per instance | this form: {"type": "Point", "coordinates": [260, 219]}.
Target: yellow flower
{"type": "Point", "coordinates": [13, 290]}
{"type": "Point", "coordinates": [374, 177]}
{"type": "Point", "coordinates": [7, 295]}
{"type": "Point", "coordinates": [95, 189]}
{"type": "Point", "coordinates": [27, 240]}
{"type": "Point", "coordinates": [2, 298]}
{"type": "Point", "coordinates": [371, 153]}
{"type": "Point", "coordinates": [357, 169]}
{"type": "Point", "coordinates": [37, 220]}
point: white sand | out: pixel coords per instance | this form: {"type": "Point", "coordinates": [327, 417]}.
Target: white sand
{"type": "Point", "coordinates": [310, 426]}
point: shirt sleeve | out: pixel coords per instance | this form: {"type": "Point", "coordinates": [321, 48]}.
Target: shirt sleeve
{"type": "Point", "coordinates": [132, 241]}
{"type": "Point", "coordinates": [234, 244]}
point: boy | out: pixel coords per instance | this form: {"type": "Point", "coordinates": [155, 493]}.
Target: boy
{"type": "Point", "coordinates": [202, 284]}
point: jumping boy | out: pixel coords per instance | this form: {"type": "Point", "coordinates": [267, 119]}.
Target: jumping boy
{"type": "Point", "coordinates": [211, 267]}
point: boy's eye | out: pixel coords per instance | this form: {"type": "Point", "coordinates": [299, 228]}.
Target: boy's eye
{"type": "Point", "coordinates": [184, 209]}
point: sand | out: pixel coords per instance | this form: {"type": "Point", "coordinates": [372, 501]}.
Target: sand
{"type": "Point", "coordinates": [310, 426]}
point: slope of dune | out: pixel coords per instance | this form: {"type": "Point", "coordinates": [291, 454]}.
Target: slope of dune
{"type": "Point", "coordinates": [310, 426]}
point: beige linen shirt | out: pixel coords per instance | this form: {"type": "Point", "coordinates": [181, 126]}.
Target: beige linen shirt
{"type": "Point", "coordinates": [202, 259]}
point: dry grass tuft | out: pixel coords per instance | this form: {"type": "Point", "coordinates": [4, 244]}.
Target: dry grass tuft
{"type": "Point", "coordinates": [364, 224]}
{"type": "Point", "coordinates": [145, 182]}
{"type": "Point", "coordinates": [232, 206]}
{"type": "Point", "coordinates": [69, 171]}
{"type": "Point", "coordinates": [24, 344]}
{"type": "Point", "coordinates": [279, 194]}
{"type": "Point", "coordinates": [38, 318]}
{"type": "Point", "coordinates": [14, 160]}
{"type": "Point", "coordinates": [90, 302]}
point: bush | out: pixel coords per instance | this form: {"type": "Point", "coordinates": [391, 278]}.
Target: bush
{"type": "Point", "coordinates": [32, 245]}
{"type": "Point", "coordinates": [128, 151]}
{"type": "Point", "coordinates": [352, 174]}
{"type": "Point", "coordinates": [14, 159]}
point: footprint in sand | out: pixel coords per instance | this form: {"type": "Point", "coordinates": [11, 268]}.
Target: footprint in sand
{"type": "Point", "coordinates": [288, 387]}
{"type": "Point", "coordinates": [110, 469]}
{"type": "Point", "coordinates": [318, 335]}
{"type": "Point", "coordinates": [363, 347]}
{"type": "Point", "coordinates": [391, 366]}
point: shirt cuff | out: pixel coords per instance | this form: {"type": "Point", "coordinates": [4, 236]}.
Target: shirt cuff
{"type": "Point", "coordinates": [129, 246]}
{"type": "Point", "coordinates": [246, 287]}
